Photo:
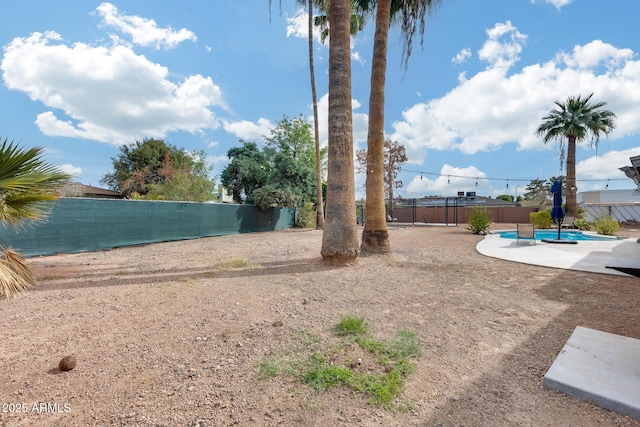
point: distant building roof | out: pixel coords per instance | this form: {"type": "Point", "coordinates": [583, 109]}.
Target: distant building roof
{"type": "Point", "coordinates": [77, 189]}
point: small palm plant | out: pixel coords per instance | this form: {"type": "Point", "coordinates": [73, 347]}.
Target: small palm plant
{"type": "Point", "coordinates": [27, 185]}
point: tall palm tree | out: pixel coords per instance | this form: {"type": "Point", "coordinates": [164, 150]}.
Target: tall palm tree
{"type": "Point", "coordinates": [316, 134]}
{"type": "Point", "coordinates": [358, 18]}
{"type": "Point", "coordinates": [339, 238]}
{"type": "Point", "coordinates": [26, 185]}
{"type": "Point", "coordinates": [411, 15]}
{"type": "Point", "coordinates": [322, 21]}
{"type": "Point", "coordinates": [574, 121]}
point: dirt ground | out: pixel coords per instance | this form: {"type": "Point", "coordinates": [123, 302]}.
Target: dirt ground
{"type": "Point", "coordinates": [164, 337]}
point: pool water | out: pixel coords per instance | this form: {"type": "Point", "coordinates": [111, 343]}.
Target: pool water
{"type": "Point", "coordinates": [553, 234]}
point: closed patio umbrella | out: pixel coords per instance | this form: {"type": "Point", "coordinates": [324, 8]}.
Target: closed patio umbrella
{"type": "Point", "coordinates": [557, 212]}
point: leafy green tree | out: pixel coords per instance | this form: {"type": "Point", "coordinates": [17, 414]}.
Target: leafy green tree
{"type": "Point", "coordinates": [143, 163]}
{"type": "Point", "coordinates": [294, 138]}
{"type": "Point", "coordinates": [248, 170]}
{"type": "Point", "coordinates": [282, 174]}
{"type": "Point", "coordinates": [193, 184]}
{"type": "Point", "coordinates": [27, 186]}
{"type": "Point", "coordinates": [573, 121]}
{"type": "Point", "coordinates": [537, 192]}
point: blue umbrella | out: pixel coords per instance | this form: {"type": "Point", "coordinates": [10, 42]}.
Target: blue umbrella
{"type": "Point", "coordinates": [557, 212]}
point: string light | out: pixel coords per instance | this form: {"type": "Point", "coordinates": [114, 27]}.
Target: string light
{"type": "Point", "coordinates": [526, 181]}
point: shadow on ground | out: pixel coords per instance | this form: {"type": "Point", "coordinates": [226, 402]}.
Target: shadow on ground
{"type": "Point", "coordinates": [596, 301]}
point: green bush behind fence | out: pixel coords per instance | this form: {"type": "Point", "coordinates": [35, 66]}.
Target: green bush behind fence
{"type": "Point", "coordinates": [84, 225]}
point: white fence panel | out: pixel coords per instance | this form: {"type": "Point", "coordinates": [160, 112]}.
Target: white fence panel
{"type": "Point", "coordinates": [619, 211]}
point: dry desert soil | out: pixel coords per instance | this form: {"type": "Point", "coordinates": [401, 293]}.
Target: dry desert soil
{"type": "Point", "coordinates": [176, 333]}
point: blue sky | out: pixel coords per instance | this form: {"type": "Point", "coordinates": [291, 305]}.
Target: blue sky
{"type": "Point", "coordinates": [81, 78]}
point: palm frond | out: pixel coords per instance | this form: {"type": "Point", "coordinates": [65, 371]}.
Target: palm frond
{"type": "Point", "coordinates": [26, 183]}
{"type": "Point", "coordinates": [15, 274]}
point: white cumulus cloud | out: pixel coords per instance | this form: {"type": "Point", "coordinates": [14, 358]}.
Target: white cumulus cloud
{"type": "Point", "coordinates": [107, 94]}
{"type": "Point", "coordinates": [557, 3]}
{"type": "Point", "coordinates": [70, 169]}
{"type": "Point", "coordinates": [143, 31]}
{"type": "Point", "coordinates": [504, 105]}
{"type": "Point", "coordinates": [298, 26]}
{"type": "Point", "coordinates": [247, 130]}
{"type": "Point", "coordinates": [461, 56]}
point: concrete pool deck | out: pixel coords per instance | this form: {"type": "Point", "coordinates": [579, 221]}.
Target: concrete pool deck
{"type": "Point", "coordinates": [587, 255]}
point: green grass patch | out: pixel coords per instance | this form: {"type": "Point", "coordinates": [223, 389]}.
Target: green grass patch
{"type": "Point", "coordinates": [270, 368]}
{"type": "Point", "coordinates": [404, 345]}
{"type": "Point", "coordinates": [351, 325]}
{"type": "Point", "coordinates": [324, 364]}
{"type": "Point", "coordinates": [321, 376]}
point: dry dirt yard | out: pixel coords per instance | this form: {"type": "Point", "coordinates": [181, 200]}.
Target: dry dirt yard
{"type": "Point", "coordinates": [164, 336]}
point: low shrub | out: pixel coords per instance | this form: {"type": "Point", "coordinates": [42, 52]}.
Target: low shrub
{"type": "Point", "coordinates": [306, 216]}
{"type": "Point", "coordinates": [605, 224]}
{"type": "Point", "coordinates": [582, 224]}
{"type": "Point", "coordinates": [541, 219]}
{"type": "Point", "coordinates": [479, 221]}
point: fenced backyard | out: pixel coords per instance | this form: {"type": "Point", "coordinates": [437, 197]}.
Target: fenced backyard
{"type": "Point", "coordinates": [82, 225]}
{"type": "Point", "coordinates": [453, 212]}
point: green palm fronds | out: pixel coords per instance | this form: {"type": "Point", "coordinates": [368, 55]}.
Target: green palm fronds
{"type": "Point", "coordinates": [27, 185]}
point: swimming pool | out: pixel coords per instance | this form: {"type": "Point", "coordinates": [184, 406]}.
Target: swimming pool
{"type": "Point", "coordinates": [553, 234]}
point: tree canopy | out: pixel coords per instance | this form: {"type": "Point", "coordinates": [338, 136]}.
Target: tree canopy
{"type": "Point", "coordinates": [281, 174]}
{"type": "Point", "coordinates": [538, 191]}
{"type": "Point", "coordinates": [247, 171]}
{"type": "Point", "coordinates": [574, 121]}
{"type": "Point", "coordinates": [153, 169]}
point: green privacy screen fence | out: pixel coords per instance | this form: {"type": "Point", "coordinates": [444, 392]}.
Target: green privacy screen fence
{"type": "Point", "coordinates": [83, 225]}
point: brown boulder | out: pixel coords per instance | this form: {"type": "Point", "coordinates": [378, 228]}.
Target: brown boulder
{"type": "Point", "coordinates": [67, 363]}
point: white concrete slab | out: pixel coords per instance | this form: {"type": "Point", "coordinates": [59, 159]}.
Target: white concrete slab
{"type": "Point", "coordinates": [591, 256]}
{"type": "Point", "coordinates": [601, 368]}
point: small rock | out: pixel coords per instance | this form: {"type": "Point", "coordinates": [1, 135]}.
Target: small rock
{"type": "Point", "coordinates": [277, 323]}
{"type": "Point", "coordinates": [305, 301]}
{"type": "Point", "coordinates": [67, 363]}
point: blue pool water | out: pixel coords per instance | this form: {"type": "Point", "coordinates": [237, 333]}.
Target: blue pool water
{"type": "Point", "coordinates": [553, 234]}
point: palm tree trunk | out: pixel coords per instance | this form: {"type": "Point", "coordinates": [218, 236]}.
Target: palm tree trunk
{"type": "Point", "coordinates": [375, 237]}
{"type": "Point", "coordinates": [339, 238]}
{"type": "Point", "coordinates": [319, 204]}
{"type": "Point", "coordinates": [572, 188]}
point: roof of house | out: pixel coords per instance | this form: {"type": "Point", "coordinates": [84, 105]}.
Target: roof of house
{"type": "Point", "coordinates": [81, 190]}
